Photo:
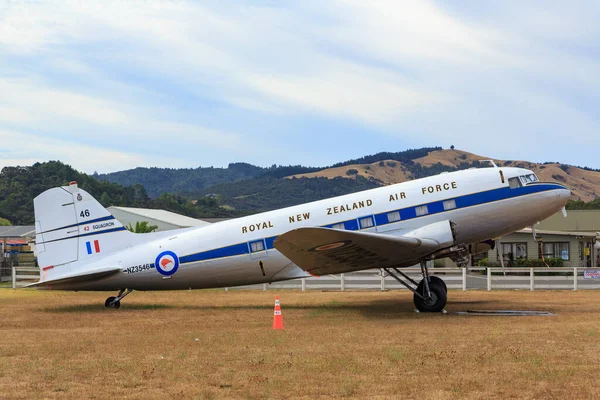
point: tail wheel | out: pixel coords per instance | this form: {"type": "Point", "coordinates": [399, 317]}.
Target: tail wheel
{"type": "Point", "coordinates": [111, 303]}
{"type": "Point", "coordinates": [437, 299]}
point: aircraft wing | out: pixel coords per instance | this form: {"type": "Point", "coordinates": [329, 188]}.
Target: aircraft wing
{"type": "Point", "coordinates": [322, 251]}
{"type": "Point", "coordinates": [78, 278]}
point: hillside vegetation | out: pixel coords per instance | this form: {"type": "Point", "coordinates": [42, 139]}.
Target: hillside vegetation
{"type": "Point", "coordinates": [19, 186]}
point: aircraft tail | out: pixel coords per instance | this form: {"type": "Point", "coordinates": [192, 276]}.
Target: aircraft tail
{"type": "Point", "coordinates": [71, 226]}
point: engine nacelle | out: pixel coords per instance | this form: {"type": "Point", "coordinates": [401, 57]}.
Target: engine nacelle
{"type": "Point", "coordinates": [441, 232]}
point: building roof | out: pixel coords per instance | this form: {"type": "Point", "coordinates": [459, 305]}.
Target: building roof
{"type": "Point", "coordinates": [561, 233]}
{"type": "Point", "coordinates": [17, 231]}
{"type": "Point", "coordinates": [162, 216]}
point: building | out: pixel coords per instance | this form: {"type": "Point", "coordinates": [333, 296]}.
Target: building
{"type": "Point", "coordinates": [17, 248]}
{"type": "Point", "coordinates": [576, 249]}
{"type": "Point", "coordinates": [165, 220]}
{"type": "Point", "coordinates": [576, 221]}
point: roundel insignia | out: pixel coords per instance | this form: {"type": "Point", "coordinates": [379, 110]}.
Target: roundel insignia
{"type": "Point", "coordinates": [167, 263]}
{"type": "Point", "coordinates": [331, 246]}
{"type": "Point", "coordinates": [79, 197]}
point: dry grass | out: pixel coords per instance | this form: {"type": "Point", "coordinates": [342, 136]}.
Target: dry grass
{"type": "Point", "coordinates": [213, 344]}
{"type": "Point", "coordinates": [387, 174]}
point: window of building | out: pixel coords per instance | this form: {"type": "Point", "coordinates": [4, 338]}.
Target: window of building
{"type": "Point", "coordinates": [557, 250]}
{"type": "Point", "coordinates": [422, 210]}
{"type": "Point", "coordinates": [512, 251]}
{"type": "Point", "coordinates": [449, 205]}
{"type": "Point", "coordinates": [366, 223]}
{"type": "Point", "coordinates": [394, 216]}
{"type": "Point", "coordinates": [339, 226]}
{"type": "Point", "coordinates": [257, 246]}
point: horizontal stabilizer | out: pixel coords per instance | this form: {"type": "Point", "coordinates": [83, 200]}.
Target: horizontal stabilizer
{"type": "Point", "coordinates": [87, 276]}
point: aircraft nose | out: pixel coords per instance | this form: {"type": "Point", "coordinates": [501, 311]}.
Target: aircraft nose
{"type": "Point", "coordinates": [563, 193]}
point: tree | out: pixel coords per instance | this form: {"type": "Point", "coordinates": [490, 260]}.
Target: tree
{"type": "Point", "coordinates": [142, 227]}
{"type": "Point", "coordinates": [452, 147]}
{"type": "Point", "coordinates": [4, 222]}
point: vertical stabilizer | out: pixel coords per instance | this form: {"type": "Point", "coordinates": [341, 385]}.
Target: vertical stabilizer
{"type": "Point", "coordinates": [71, 226]}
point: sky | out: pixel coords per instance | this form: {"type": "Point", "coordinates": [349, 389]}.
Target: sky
{"type": "Point", "coordinates": [112, 85]}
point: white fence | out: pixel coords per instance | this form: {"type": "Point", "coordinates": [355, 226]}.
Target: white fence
{"type": "Point", "coordinates": [24, 275]}
{"type": "Point", "coordinates": [473, 278]}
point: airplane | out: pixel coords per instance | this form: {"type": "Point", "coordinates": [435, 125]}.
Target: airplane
{"type": "Point", "coordinates": [82, 247]}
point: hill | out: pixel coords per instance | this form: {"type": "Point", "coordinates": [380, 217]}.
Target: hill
{"type": "Point", "coordinates": [19, 186]}
{"type": "Point", "coordinates": [584, 182]}
{"type": "Point", "coordinates": [195, 180]}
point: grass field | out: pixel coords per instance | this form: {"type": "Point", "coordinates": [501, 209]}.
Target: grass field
{"type": "Point", "coordinates": [217, 344]}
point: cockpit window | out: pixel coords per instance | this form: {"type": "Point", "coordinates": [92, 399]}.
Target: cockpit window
{"type": "Point", "coordinates": [514, 182]}
{"type": "Point", "coordinates": [526, 179]}
{"type": "Point", "coordinates": [522, 180]}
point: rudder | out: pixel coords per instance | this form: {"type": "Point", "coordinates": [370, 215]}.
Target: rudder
{"type": "Point", "coordinates": [72, 226]}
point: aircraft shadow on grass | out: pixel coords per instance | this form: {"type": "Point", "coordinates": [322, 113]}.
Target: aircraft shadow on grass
{"type": "Point", "coordinates": [378, 309]}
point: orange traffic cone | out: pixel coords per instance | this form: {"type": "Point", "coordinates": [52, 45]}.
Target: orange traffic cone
{"type": "Point", "coordinates": [277, 318]}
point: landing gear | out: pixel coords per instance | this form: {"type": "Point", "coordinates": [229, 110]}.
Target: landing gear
{"type": "Point", "coordinates": [115, 301]}
{"type": "Point", "coordinates": [435, 301]}
{"type": "Point", "coordinates": [430, 295]}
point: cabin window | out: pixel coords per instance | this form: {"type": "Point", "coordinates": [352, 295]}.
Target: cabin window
{"type": "Point", "coordinates": [512, 251]}
{"type": "Point", "coordinates": [556, 250]}
{"type": "Point", "coordinates": [338, 226]}
{"type": "Point", "coordinates": [257, 246]}
{"type": "Point", "coordinates": [449, 205]}
{"type": "Point", "coordinates": [422, 210]}
{"type": "Point", "coordinates": [366, 223]}
{"type": "Point", "coordinates": [514, 182]}
{"type": "Point", "coordinates": [393, 216]}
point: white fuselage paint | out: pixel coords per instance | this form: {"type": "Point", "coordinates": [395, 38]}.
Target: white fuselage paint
{"type": "Point", "coordinates": [475, 223]}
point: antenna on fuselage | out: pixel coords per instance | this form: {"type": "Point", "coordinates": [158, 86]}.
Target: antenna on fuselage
{"type": "Point", "coordinates": [490, 161]}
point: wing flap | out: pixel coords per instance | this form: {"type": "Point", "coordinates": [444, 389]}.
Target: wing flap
{"type": "Point", "coordinates": [322, 251]}
{"type": "Point", "coordinates": [88, 276]}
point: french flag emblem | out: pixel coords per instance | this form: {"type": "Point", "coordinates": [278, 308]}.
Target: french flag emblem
{"type": "Point", "coordinates": [93, 247]}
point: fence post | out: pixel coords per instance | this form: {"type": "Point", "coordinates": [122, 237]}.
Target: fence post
{"type": "Point", "coordinates": [264, 287]}
{"type": "Point", "coordinates": [14, 277]}
{"type": "Point", "coordinates": [342, 282]}
{"type": "Point", "coordinates": [382, 283]}
{"type": "Point", "coordinates": [531, 279]}
{"type": "Point", "coordinates": [464, 279]}
{"type": "Point", "coordinates": [575, 278]}
{"type": "Point", "coordinates": [489, 279]}
{"type": "Point", "coordinates": [303, 284]}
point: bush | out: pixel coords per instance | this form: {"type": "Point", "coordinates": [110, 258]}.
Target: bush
{"type": "Point", "coordinates": [352, 172]}
{"type": "Point", "coordinates": [391, 164]}
{"type": "Point", "coordinates": [564, 167]}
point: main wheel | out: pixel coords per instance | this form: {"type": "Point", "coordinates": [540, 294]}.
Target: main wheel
{"type": "Point", "coordinates": [436, 302]}
{"type": "Point", "coordinates": [440, 280]}
{"type": "Point", "coordinates": [109, 303]}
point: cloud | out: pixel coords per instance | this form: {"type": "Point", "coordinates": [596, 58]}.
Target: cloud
{"type": "Point", "coordinates": [218, 82]}
{"type": "Point", "coordinates": [23, 149]}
